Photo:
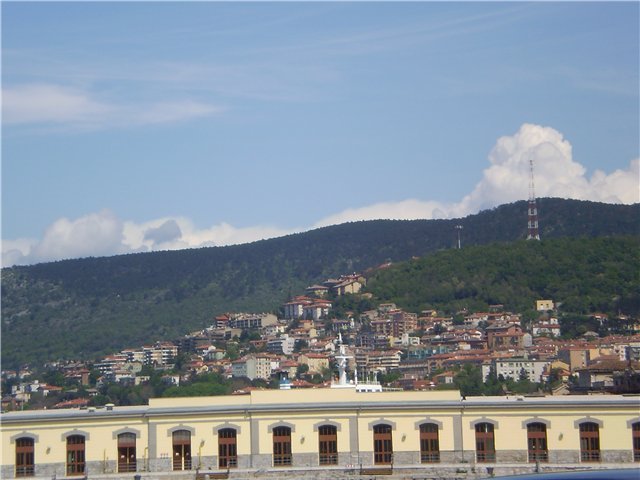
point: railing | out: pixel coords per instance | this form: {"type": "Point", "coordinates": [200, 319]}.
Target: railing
{"type": "Point", "coordinates": [538, 456]}
{"type": "Point", "coordinates": [178, 464]}
{"type": "Point", "coordinates": [590, 455]}
{"type": "Point", "coordinates": [486, 457]}
{"type": "Point", "coordinates": [124, 467]}
{"type": "Point", "coordinates": [328, 459]}
{"type": "Point", "coordinates": [25, 471]}
{"type": "Point", "coordinates": [228, 462]}
{"type": "Point", "coordinates": [430, 457]}
{"type": "Point", "coordinates": [281, 460]}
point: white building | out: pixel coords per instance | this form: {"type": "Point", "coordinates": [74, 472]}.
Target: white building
{"type": "Point", "coordinates": [245, 321]}
{"type": "Point", "coordinates": [513, 368]}
{"type": "Point", "coordinates": [549, 327]}
{"type": "Point", "coordinates": [283, 344]}
{"type": "Point", "coordinates": [254, 366]}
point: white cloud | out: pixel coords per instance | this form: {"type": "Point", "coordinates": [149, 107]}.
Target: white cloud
{"type": "Point", "coordinates": [136, 236]}
{"type": "Point", "coordinates": [42, 103]}
{"type": "Point", "coordinates": [104, 234]}
{"type": "Point", "coordinates": [505, 180]}
{"type": "Point", "coordinates": [556, 173]}
{"type": "Point", "coordinates": [91, 235]}
{"type": "Point", "coordinates": [45, 104]}
{"type": "Point", "coordinates": [170, 112]}
{"type": "Point", "coordinates": [404, 210]}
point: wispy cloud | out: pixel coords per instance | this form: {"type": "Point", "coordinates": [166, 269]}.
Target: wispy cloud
{"type": "Point", "coordinates": [46, 103]}
{"type": "Point", "coordinates": [55, 105]}
{"type": "Point", "coordinates": [505, 180]}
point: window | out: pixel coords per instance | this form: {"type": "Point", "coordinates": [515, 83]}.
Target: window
{"type": "Point", "coordinates": [589, 442]}
{"type": "Point", "coordinates": [429, 443]}
{"type": "Point", "coordinates": [24, 457]}
{"type": "Point", "coordinates": [328, 445]}
{"type": "Point", "coordinates": [181, 450]}
{"type": "Point", "coordinates": [382, 445]}
{"type": "Point", "coordinates": [635, 431]}
{"type": "Point", "coordinates": [127, 452]}
{"type": "Point", "coordinates": [227, 448]}
{"type": "Point", "coordinates": [485, 443]}
{"type": "Point", "coordinates": [281, 446]}
{"type": "Point", "coordinates": [75, 455]}
{"type": "Point", "coordinates": [537, 442]}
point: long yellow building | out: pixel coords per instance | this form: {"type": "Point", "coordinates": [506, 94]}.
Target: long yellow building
{"type": "Point", "coordinates": [325, 433]}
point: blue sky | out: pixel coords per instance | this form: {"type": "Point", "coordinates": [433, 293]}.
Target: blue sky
{"type": "Point", "coordinates": [152, 126]}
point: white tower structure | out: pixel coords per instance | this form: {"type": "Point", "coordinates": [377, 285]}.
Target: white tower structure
{"type": "Point", "coordinates": [532, 214]}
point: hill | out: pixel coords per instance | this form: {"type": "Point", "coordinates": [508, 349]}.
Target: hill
{"type": "Point", "coordinates": [587, 275]}
{"type": "Point", "coordinates": [87, 307]}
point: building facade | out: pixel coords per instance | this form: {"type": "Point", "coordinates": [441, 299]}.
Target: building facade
{"type": "Point", "coordinates": [301, 433]}
{"type": "Point", "coordinates": [515, 368]}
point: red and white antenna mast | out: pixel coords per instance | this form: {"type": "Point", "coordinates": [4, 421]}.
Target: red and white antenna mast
{"type": "Point", "coordinates": [532, 230]}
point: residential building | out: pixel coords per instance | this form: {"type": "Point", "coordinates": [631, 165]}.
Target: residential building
{"type": "Point", "coordinates": [515, 368]}
{"type": "Point", "coordinates": [283, 344]}
{"type": "Point", "coordinates": [504, 336]}
{"type": "Point", "coordinates": [544, 305]}
{"type": "Point", "coordinates": [247, 321]}
{"type": "Point", "coordinates": [294, 309]}
{"type": "Point", "coordinates": [549, 327]}
{"type": "Point", "coordinates": [317, 363]}
{"type": "Point", "coordinates": [254, 366]}
{"type": "Point", "coordinates": [375, 360]}
{"type": "Point", "coordinates": [600, 374]}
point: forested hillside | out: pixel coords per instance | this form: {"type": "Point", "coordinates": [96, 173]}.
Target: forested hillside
{"type": "Point", "coordinates": [88, 307]}
{"type": "Point", "coordinates": [585, 275]}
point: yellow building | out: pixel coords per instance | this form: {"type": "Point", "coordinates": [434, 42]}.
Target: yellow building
{"type": "Point", "coordinates": [303, 433]}
{"type": "Point", "coordinates": [544, 305]}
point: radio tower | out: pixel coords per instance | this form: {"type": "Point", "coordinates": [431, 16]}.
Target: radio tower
{"type": "Point", "coordinates": [532, 230]}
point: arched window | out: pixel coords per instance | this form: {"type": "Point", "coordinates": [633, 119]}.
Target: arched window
{"type": "Point", "coordinates": [635, 432]}
{"type": "Point", "coordinates": [589, 442]}
{"type": "Point", "coordinates": [181, 440]}
{"type": "Point", "coordinates": [429, 443]}
{"type": "Point", "coordinates": [382, 445]}
{"type": "Point", "coordinates": [127, 452]}
{"type": "Point", "coordinates": [328, 444]}
{"type": "Point", "coordinates": [537, 442]}
{"type": "Point", "coordinates": [25, 460]}
{"type": "Point", "coordinates": [485, 443]}
{"type": "Point", "coordinates": [75, 455]}
{"type": "Point", "coordinates": [281, 446]}
{"type": "Point", "coordinates": [227, 448]}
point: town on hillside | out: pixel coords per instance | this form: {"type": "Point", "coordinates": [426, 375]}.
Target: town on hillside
{"type": "Point", "coordinates": [490, 352]}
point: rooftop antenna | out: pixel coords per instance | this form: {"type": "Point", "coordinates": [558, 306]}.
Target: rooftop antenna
{"type": "Point", "coordinates": [532, 226]}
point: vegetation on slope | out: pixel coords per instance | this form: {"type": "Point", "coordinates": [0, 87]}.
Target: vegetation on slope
{"type": "Point", "coordinates": [586, 275]}
{"type": "Point", "coordinates": [90, 307]}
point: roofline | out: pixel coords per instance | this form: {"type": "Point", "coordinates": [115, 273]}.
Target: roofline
{"type": "Point", "coordinates": [473, 403]}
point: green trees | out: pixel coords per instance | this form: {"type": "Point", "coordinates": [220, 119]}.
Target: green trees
{"type": "Point", "coordinates": [584, 275]}
{"type": "Point", "coordinates": [470, 382]}
{"type": "Point", "coordinates": [201, 386]}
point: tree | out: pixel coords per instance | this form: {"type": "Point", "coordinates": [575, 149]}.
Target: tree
{"type": "Point", "coordinates": [233, 351]}
{"type": "Point", "coordinates": [523, 375]}
{"type": "Point", "coordinates": [469, 380]}
{"type": "Point", "coordinates": [302, 370]}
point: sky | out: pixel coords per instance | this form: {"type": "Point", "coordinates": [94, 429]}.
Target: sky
{"type": "Point", "coordinates": [133, 127]}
